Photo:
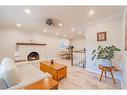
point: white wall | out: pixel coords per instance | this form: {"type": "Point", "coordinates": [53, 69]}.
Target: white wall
{"type": "Point", "coordinates": [123, 70]}
{"type": "Point", "coordinates": [9, 37]}
{"type": "Point", "coordinates": [79, 43]}
{"type": "Point", "coordinates": [124, 53]}
{"type": "Point", "coordinates": [113, 27]}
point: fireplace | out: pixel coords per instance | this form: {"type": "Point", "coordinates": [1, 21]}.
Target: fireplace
{"type": "Point", "coordinates": [33, 56]}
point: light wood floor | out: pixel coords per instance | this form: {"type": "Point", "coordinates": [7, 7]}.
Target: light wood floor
{"type": "Point", "coordinates": [78, 78]}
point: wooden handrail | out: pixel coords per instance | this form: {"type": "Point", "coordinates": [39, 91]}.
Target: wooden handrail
{"type": "Point", "coordinates": [80, 51]}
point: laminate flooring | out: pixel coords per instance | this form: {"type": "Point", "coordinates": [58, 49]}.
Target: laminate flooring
{"type": "Point", "coordinates": [78, 78]}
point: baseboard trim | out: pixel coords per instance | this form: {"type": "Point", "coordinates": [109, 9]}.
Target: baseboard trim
{"type": "Point", "coordinates": [122, 83]}
{"type": "Point", "coordinates": [99, 72]}
{"type": "Point", "coordinates": [92, 71]}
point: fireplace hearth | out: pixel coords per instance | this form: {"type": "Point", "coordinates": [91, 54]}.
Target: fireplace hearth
{"type": "Point", "coordinates": [33, 56]}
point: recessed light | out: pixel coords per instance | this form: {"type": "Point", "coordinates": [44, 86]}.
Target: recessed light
{"type": "Point", "coordinates": [60, 24]}
{"type": "Point", "coordinates": [44, 31]}
{"type": "Point", "coordinates": [18, 25]}
{"type": "Point", "coordinates": [27, 11]}
{"type": "Point", "coordinates": [72, 29]}
{"type": "Point", "coordinates": [91, 12]}
{"type": "Point", "coordinates": [57, 33]}
{"type": "Point", "coordinates": [80, 32]}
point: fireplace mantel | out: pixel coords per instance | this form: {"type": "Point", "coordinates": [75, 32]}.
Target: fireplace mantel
{"type": "Point", "coordinates": [39, 44]}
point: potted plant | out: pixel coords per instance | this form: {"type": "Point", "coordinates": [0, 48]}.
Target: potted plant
{"type": "Point", "coordinates": [105, 54]}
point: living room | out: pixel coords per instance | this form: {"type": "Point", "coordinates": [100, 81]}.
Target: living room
{"type": "Point", "coordinates": [37, 34]}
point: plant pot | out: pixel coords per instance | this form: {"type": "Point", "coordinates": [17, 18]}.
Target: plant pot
{"type": "Point", "coordinates": [106, 62]}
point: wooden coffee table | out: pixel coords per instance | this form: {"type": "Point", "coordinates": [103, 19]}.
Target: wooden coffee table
{"type": "Point", "coordinates": [47, 83]}
{"type": "Point", "coordinates": [58, 71]}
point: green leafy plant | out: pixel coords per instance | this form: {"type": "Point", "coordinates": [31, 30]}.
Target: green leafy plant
{"type": "Point", "coordinates": [105, 53]}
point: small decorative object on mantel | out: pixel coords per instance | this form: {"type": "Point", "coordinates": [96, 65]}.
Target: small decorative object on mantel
{"type": "Point", "coordinates": [52, 61]}
{"type": "Point", "coordinates": [101, 36]}
{"type": "Point", "coordinates": [31, 41]}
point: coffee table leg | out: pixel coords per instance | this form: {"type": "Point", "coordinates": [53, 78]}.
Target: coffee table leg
{"type": "Point", "coordinates": [101, 74]}
{"type": "Point", "coordinates": [112, 77]}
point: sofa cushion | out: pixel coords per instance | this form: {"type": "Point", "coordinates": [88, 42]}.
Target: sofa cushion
{"type": "Point", "coordinates": [3, 84]}
{"type": "Point", "coordinates": [30, 74]}
{"type": "Point", "coordinates": [9, 72]}
{"type": "Point", "coordinates": [12, 77]}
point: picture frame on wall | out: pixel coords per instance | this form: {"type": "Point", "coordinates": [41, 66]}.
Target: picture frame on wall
{"type": "Point", "coordinates": [101, 36]}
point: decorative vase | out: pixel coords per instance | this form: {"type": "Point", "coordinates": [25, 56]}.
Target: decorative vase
{"type": "Point", "coordinates": [52, 61]}
{"type": "Point", "coordinates": [106, 62]}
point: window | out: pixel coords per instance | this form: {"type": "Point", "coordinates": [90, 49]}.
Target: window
{"type": "Point", "coordinates": [63, 43]}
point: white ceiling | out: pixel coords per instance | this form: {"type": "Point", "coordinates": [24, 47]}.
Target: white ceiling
{"type": "Point", "coordinates": [74, 16]}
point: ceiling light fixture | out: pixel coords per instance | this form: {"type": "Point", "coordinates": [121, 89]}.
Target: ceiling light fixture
{"type": "Point", "coordinates": [57, 33]}
{"type": "Point", "coordinates": [60, 24]}
{"type": "Point", "coordinates": [72, 29]}
{"type": "Point", "coordinates": [27, 11]}
{"type": "Point", "coordinates": [80, 32]}
{"type": "Point", "coordinates": [18, 25]}
{"type": "Point", "coordinates": [91, 12]}
{"type": "Point", "coordinates": [44, 31]}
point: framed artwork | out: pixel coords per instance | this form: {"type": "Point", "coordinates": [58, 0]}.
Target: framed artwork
{"type": "Point", "coordinates": [101, 36]}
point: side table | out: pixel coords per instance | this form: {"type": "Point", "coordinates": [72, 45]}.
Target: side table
{"type": "Point", "coordinates": [109, 69]}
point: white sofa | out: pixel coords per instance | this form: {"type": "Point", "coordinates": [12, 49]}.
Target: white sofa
{"type": "Point", "coordinates": [29, 73]}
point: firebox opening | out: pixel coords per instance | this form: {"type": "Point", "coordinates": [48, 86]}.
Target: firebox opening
{"type": "Point", "coordinates": [33, 56]}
